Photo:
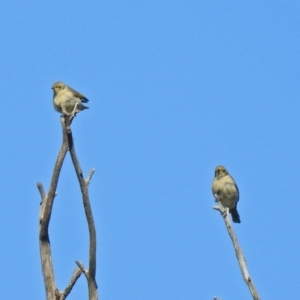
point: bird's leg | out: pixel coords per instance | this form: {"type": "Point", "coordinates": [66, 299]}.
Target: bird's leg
{"type": "Point", "coordinates": [217, 198]}
{"type": "Point", "coordinates": [73, 114]}
{"type": "Point", "coordinates": [224, 210]}
{"type": "Point", "coordinates": [63, 108]}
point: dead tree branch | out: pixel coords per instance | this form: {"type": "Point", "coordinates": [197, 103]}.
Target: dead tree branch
{"type": "Point", "coordinates": [63, 295]}
{"type": "Point", "coordinates": [238, 251]}
{"type": "Point", "coordinates": [52, 292]}
{"type": "Point", "coordinates": [83, 269]}
{"type": "Point", "coordinates": [91, 272]}
{"type": "Point", "coordinates": [45, 215]}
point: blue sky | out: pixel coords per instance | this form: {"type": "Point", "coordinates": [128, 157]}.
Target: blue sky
{"type": "Point", "coordinates": [176, 88]}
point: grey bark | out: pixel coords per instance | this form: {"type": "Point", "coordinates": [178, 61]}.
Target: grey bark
{"type": "Point", "coordinates": [238, 251]}
{"type": "Point", "coordinates": [52, 292]}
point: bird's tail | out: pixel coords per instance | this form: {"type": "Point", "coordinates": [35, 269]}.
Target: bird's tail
{"type": "Point", "coordinates": [235, 216]}
{"type": "Point", "coordinates": [84, 107]}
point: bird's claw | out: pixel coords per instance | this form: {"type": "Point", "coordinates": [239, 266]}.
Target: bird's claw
{"type": "Point", "coordinates": [217, 198]}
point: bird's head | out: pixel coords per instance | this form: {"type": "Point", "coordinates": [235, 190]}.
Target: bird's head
{"type": "Point", "coordinates": [57, 87]}
{"type": "Point", "coordinates": [220, 171]}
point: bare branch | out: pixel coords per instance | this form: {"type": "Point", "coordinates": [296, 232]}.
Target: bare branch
{"type": "Point", "coordinates": [41, 190]}
{"type": "Point", "coordinates": [238, 251]}
{"type": "Point", "coordinates": [93, 295]}
{"type": "Point", "coordinates": [83, 269]}
{"type": "Point", "coordinates": [63, 295]}
{"type": "Point", "coordinates": [45, 215]}
{"type": "Point", "coordinates": [89, 177]}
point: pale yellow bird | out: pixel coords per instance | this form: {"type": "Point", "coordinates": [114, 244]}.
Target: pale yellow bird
{"type": "Point", "coordinates": [226, 191]}
{"type": "Point", "coordinates": [67, 100]}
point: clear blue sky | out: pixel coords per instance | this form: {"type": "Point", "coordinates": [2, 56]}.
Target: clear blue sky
{"type": "Point", "coordinates": [175, 88]}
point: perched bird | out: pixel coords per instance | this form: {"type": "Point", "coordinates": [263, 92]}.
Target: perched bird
{"type": "Point", "coordinates": [67, 100]}
{"type": "Point", "coordinates": [225, 190]}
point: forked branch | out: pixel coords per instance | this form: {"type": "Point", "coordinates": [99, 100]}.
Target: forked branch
{"type": "Point", "coordinates": [52, 293]}
{"type": "Point", "coordinates": [63, 295]}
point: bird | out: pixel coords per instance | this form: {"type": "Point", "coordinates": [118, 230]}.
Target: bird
{"type": "Point", "coordinates": [66, 100]}
{"type": "Point", "coordinates": [226, 191]}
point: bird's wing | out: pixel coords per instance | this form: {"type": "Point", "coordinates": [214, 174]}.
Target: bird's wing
{"type": "Point", "coordinates": [78, 95]}
{"type": "Point", "coordinates": [231, 181]}
{"type": "Point", "coordinates": [238, 197]}
{"type": "Point", "coordinates": [73, 100]}
{"type": "Point", "coordinates": [83, 99]}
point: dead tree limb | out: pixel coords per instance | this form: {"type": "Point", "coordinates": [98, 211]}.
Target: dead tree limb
{"type": "Point", "coordinates": [91, 272]}
{"type": "Point", "coordinates": [52, 293]}
{"type": "Point", "coordinates": [63, 295]}
{"type": "Point", "coordinates": [238, 251]}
